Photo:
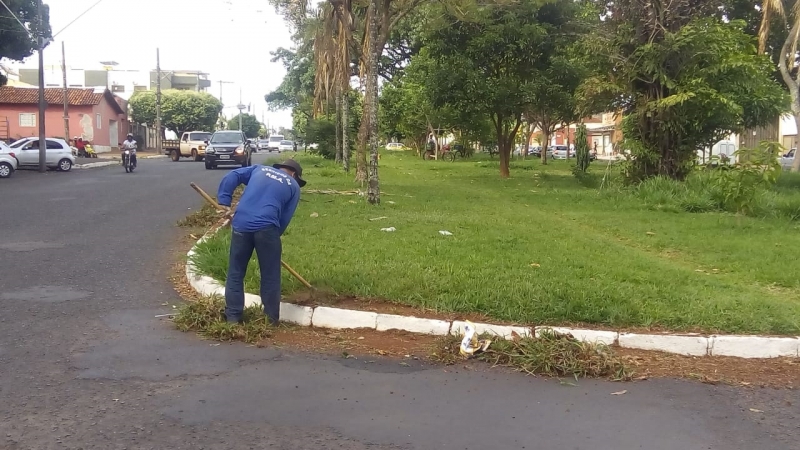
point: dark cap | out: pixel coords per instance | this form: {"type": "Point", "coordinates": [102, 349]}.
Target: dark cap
{"type": "Point", "coordinates": [295, 167]}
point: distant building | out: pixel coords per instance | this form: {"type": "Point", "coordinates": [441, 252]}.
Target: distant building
{"type": "Point", "coordinates": [120, 82]}
{"type": "Point", "coordinates": [95, 114]}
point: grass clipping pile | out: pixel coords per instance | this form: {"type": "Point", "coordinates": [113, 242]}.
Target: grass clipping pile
{"type": "Point", "coordinates": [204, 316]}
{"type": "Point", "coordinates": [550, 353]}
{"type": "Point", "coordinates": [207, 216]}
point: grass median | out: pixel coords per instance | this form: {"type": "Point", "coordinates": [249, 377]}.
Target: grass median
{"type": "Point", "coordinates": [538, 248]}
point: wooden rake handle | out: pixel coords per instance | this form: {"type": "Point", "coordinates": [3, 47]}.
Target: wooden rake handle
{"type": "Point", "coordinates": [213, 203]}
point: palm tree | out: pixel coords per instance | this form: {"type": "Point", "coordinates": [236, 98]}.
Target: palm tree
{"type": "Point", "coordinates": [787, 58]}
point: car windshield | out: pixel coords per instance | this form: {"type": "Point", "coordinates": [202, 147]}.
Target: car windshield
{"type": "Point", "coordinates": [286, 142]}
{"type": "Point", "coordinates": [199, 136]}
{"type": "Point", "coordinates": [276, 139]}
{"type": "Point", "coordinates": [262, 141]}
{"type": "Point", "coordinates": [19, 143]}
{"type": "Point", "coordinates": [226, 138]}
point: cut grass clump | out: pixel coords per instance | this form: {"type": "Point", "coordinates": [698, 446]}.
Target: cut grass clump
{"type": "Point", "coordinates": [207, 215]}
{"type": "Point", "coordinates": [552, 354]}
{"type": "Point", "coordinates": [203, 217]}
{"type": "Point", "coordinates": [204, 317]}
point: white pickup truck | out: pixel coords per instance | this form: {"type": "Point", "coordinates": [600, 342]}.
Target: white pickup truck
{"type": "Point", "coordinates": [192, 144]}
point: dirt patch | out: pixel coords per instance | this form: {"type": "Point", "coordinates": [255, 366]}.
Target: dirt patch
{"type": "Point", "coordinates": [359, 343]}
{"type": "Point", "coordinates": [776, 372]}
{"type": "Point", "coordinates": [308, 298]}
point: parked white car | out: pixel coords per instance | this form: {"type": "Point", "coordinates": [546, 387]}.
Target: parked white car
{"type": "Point", "coordinates": [561, 152]}
{"type": "Point", "coordinates": [8, 160]}
{"type": "Point", "coordinates": [788, 159]}
{"type": "Point", "coordinates": [58, 154]}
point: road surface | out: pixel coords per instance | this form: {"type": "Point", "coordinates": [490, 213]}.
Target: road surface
{"type": "Point", "coordinates": [84, 258]}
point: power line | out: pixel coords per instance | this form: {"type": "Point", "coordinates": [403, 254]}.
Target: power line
{"type": "Point", "coordinates": [16, 18]}
{"type": "Point", "coordinates": [75, 19]}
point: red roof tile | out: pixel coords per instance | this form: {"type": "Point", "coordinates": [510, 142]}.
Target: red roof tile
{"type": "Point", "coordinates": [55, 96]}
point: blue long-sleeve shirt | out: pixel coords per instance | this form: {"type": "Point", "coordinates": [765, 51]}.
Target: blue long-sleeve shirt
{"type": "Point", "coordinates": [270, 198]}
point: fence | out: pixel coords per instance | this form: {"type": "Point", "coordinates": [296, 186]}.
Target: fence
{"type": "Point", "coordinates": [149, 134]}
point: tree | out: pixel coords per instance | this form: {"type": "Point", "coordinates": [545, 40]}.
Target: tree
{"type": "Point", "coordinates": [581, 149]}
{"type": "Point", "coordinates": [551, 96]}
{"type": "Point", "coordinates": [683, 83]}
{"type": "Point", "coordinates": [250, 124]}
{"type": "Point", "coordinates": [500, 64]}
{"type": "Point", "coordinates": [406, 106]}
{"type": "Point", "coordinates": [787, 60]}
{"type": "Point", "coordinates": [17, 43]}
{"type": "Point", "coordinates": [181, 111]}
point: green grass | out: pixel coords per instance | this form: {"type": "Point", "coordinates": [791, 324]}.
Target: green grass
{"type": "Point", "coordinates": [539, 248]}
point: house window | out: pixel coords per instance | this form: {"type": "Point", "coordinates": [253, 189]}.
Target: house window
{"type": "Point", "coordinates": [139, 88]}
{"type": "Point", "coordinates": [117, 88]}
{"type": "Point", "coordinates": [99, 121]}
{"type": "Point", "coordinates": [27, 120]}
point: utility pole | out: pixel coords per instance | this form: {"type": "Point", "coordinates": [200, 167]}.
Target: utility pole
{"type": "Point", "coordinates": [66, 92]}
{"type": "Point", "coordinates": [220, 98]}
{"type": "Point", "coordinates": [42, 102]}
{"type": "Point", "coordinates": [159, 150]}
{"type": "Point", "coordinates": [241, 108]}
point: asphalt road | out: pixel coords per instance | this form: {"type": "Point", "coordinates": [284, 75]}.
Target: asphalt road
{"type": "Point", "coordinates": [84, 258]}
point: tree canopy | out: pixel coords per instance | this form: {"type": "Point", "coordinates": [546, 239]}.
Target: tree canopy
{"type": "Point", "coordinates": [685, 84]}
{"type": "Point", "coordinates": [505, 62]}
{"type": "Point", "coordinates": [250, 124]}
{"type": "Point", "coordinates": [180, 110]}
{"type": "Point", "coordinates": [17, 43]}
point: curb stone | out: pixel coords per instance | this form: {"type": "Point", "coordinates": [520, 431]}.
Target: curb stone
{"type": "Point", "coordinates": [110, 163]}
{"type": "Point", "coordinates": [682, 344]}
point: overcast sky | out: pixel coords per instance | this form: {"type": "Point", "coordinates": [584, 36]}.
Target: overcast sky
{"type": "Point", "coordinates": [229, 39]}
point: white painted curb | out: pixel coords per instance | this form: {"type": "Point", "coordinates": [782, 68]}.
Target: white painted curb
{"type": "Point", "coordinates": [110, 163]}
{"type": "Point", "coordinates": [97, 164]}
{"type": "Point", "coordinates": [337, 318]}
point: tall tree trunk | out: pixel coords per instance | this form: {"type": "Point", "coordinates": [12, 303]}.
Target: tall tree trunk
{"type": "Point", "coordinates": [371, 103]}
{"type": "Point", "coordinates": [346, 132]}
{"type": "Point", "coordinates": [528, 136]}
{"type": "Point", "coordinates": [339, 124]}
{"type": "Point", "coordinates": [785, 63]}
{"type": "Point", "coordinates": [545, 143]}
{"type": "Point", "coordinates": [500, 127]}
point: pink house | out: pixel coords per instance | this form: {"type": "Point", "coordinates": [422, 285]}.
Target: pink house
{"type": "Point", "coordinates": [96, 115]}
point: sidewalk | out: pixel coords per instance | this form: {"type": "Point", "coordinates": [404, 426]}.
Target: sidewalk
{"type": "Point", "coordinates": [115, 155]}
{"type": "Point", "coordinates": [112, 158]}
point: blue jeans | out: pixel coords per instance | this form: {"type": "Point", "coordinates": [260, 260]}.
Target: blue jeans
{"type": "Point", "coordinates": [267, 244]}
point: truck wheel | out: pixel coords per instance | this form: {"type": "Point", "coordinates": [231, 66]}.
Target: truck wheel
{"type": "Point", "coordinates": [175, 155]}
{"type": "Point", "coordinates": [194, 155]}
{"type": "Point", "coordinates": [209, 165]}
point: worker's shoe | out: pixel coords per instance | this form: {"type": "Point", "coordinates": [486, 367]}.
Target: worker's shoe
{"type": "Point", "coordinates": [232, 319]}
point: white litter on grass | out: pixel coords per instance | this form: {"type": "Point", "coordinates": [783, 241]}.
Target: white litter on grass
{"type": "Point", "coordinates": [390, 202]}
{"type": "Point", "coordinates": [314, 214]}
{"type": "Point", "coordinates": [445, 233]}
{"type": "Point", "coordinates": [378, 218]}
{"type": "Point", "coordinates": [389, 230]}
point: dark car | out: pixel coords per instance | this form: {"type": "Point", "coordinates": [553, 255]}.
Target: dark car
{"type": "Point", "coordinates": [228, 147]}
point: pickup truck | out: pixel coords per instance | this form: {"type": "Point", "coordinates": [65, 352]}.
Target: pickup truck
{"type": "Point", "coordinates": [192, 144]}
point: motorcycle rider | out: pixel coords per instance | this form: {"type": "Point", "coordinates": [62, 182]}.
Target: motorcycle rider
{"type": "Point", "coordinates": [130, 144]}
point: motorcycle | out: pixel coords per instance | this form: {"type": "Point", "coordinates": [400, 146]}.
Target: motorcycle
{"type": "Point", "coordinates": [127, 161]}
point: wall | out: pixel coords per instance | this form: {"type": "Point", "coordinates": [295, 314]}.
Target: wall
{"type": "Point", "coordinates": [82, 122]}
{"type": "Point", "coordinates": [101, 136]}
{"type": "Point", "coordinates": [54, 120]}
